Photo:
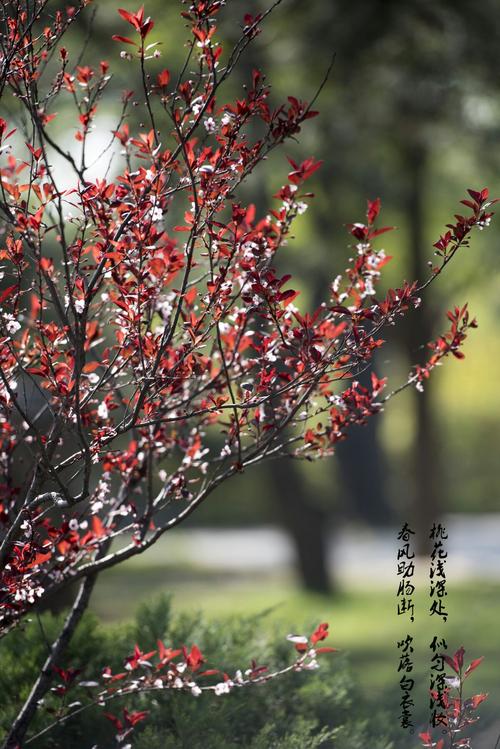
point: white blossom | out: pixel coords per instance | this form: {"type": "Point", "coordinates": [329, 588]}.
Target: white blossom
{"type": "Point", "coordinates": [12, 326]}
{"type": "Point", "coordinates": [102, 411]}
{"type": "Point", "coordinates": [210, 125]}
{"type": "Point", "coordinates": [223, 687]}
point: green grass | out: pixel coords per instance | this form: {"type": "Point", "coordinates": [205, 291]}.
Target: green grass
{"type": "Point", "coordinates": [364, 622]}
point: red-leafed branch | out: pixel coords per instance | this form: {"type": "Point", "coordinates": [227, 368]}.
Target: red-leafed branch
{"type": "Point", "coordinates": [456, 712]}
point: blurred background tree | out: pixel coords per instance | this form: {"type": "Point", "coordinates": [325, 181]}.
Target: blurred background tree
{"type": "Point", "coordinates": [411, 113]}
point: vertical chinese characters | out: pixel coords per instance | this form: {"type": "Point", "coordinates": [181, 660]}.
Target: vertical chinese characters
{"type": "Point", "coordinates": [406, 570]}
{"type": "Point", "coordinates": [437, 573]}
{"type": "Point", "coordinates": [406, 607]}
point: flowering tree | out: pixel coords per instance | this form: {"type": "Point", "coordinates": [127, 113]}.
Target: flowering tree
{"type": "Point", "coordinates": [149, 349]}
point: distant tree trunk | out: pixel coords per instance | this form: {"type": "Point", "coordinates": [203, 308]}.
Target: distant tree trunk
{"type": "Point", "coordinates": [307, 524]}
{"type": "Point", "coordinates": [427, 505]}
{"type": "Point", "coordinates": [361, 464]}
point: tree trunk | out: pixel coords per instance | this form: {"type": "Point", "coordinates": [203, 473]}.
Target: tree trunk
{"type": "Point", "coordinates": [361, 462]}
{"type": "Point", "coordinates": [21, 724]}
{"type": "Point", "coordinates": [307, 524]}
{"type": "Point", "coordinates": [427, 505]}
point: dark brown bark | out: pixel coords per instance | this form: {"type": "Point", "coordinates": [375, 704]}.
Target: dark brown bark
{"type": "Point", "coordinates": [361, 462]}
{"type": "Point", "coordinates": [307, 524]}
{"type": "Point", "coordinates": [425, 468]}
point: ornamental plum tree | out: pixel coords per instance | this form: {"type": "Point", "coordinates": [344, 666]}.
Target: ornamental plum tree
{"type": "Point", "coordinates": [149, 349]}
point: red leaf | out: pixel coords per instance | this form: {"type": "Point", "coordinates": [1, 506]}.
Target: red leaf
{"type": "Point", "coordinates": [373, 210]}
{"type": "Point", "coordinates": [46, 264]}
{"type": "Point", "coordinates": [7, 292]}
{"type": "Point", "coordinates": [320, 633]}
{"type": "Point", "coordinates": [459, 657]}
{"type": "Point", "coordinates": [380, 231]}
{"type": "Point", "coordinates": [133, 718]}
{"type": "Point", "coordinates": [129, 17]}
{"type": "Point", "coordinates": [98, 527]}
{"type": "Point", "coordinates": [475, 663]}
{"type": "Point", "coordinates": [451, 663]}
{"type": "Point", "coordinates": [124, 39]}
{"type": "Point", "coordinates": [194, 659]}
{"type": "Point", "coordinates": [326, 650]}
{"type": "Point", "coordinates": [114, 720]}
{"type": "Point", "coordinates": [476, 700]}
{"type": "Point", "coordinates": [163, 78]}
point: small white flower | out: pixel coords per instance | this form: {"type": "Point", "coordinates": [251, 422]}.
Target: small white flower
{"type": "Point", "coordinates": [210, 125]}
{"type": "Point", "coordinates": [12, 326]}
{"type": "Point", "coordinates": [102, 411]}
{"type": "Point", "coordinates": [301, 207]}
{"type": "Point", "coordinates": [206, 169]}
{"type": "Point", "coordinates": [79, 305]}
{"type": "Point", "coordinates": [195, 691]}
{"type": "Point", "coordinates": [73, 524]}
{"type": "Point", "coordinates": [156, 214]}
{"type": "Point", "coordinates": [483, 224]}
{"type": "Point", "coordinates": [196, 105]}
{"type": "Point", "coordinates": [222, 688]}
{"type": "Point", "coordinates": [369, 288]}
{"type": "Point", "coordinates": [311, 666]}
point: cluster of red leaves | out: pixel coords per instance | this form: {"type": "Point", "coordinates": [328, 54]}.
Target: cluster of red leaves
{"type": "Point", "coordinates": [447, 343]}
{"type": "Point", "coordinates": [458, 712]}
